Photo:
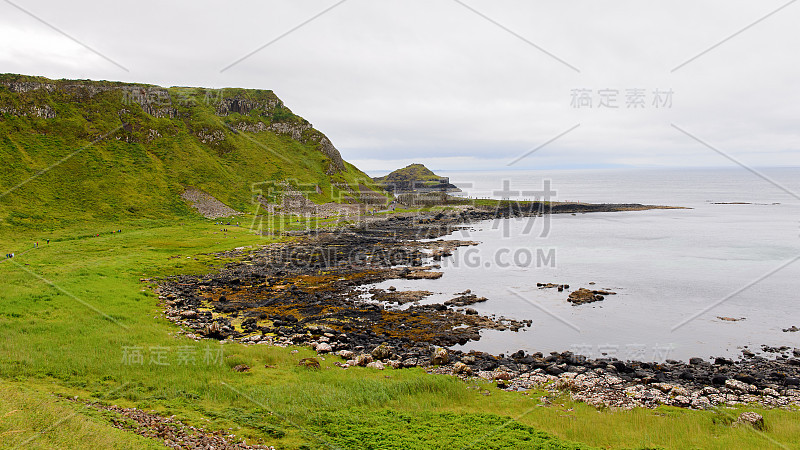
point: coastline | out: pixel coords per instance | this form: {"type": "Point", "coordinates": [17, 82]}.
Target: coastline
{"type": "Point", "coordinates": [306, 292]}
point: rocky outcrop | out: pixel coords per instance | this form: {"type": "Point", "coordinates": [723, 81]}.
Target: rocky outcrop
{"type": "Point", "coordinates": [208, 206]}
{"type": "Point", "coordinates": [583, 296]}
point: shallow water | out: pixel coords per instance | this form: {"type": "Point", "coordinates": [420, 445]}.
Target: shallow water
{"type": "Point", "coordinates": [675, 271]}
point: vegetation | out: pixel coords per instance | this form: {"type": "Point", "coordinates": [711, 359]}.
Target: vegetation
{"type": "Point", "coordinates": [77, 313]}
{"type": "Point", "coordinates": [114, 160]}
{"type": "Point", "coordinates": [413, 177]}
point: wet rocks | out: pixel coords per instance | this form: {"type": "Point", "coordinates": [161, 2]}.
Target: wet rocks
{"type": "Point", "coordinates": [399, 297]}
{"type": "Point", "coordinates": [465, 300]}
{"type": "Point", "coordinates": [730, 319]}
{"type": "Point", "coordinates": [423, 273]}
{"type": "Point", "coordinates": [583, 296]}
{"type": "Point", "coordinates": [791, 329]}
{"type": "Point", "coordinates": [560, 287]}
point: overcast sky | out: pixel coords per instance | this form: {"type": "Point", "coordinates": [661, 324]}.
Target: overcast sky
{"type": "Point", "coordinates": [460, 85]}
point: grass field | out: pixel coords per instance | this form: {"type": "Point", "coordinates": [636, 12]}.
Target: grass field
{"type": "Point", "coordinates": [74, 317]}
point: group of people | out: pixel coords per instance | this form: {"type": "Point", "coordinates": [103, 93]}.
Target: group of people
{"type": "Point", "coordinates": [36, 244]}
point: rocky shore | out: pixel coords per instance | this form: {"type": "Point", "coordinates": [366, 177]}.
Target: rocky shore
{"type": "Point", "coordinates": [314, 290]}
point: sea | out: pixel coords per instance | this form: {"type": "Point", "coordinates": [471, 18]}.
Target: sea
{"type": "Point", "coordinates": [680, 275]}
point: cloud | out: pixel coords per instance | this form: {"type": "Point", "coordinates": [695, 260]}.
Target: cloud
{"type": "Point", "coordinates": [401, 81]}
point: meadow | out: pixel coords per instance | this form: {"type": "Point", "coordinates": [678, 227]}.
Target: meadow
{"type": "Point", "coordinates": [79, 320]}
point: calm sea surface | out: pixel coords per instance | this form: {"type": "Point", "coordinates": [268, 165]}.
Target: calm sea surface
{"type": "Point", "coordinates": [675, 271]}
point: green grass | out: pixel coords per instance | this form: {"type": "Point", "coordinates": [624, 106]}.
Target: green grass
{"type": "Point", "coordinates": [133, 174]}
{"type": "Point", "coordinates": [54, 343]}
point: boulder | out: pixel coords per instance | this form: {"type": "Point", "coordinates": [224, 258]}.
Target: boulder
{"type": "Point", "coordinates": [752, 419]}
{"type": "Point", "coordinates": [460, 368]}
{"type": "Point", "coordinates": [363, 359]}
{"type": "Point", "coordinates": [346, 354]}
{"type": "Point", "coordinates": [324, 348]}
{"type": "Point", "coordinates": [440, 356]}
{"type": "Point", "coordinates": [382, 351]}
{"type": "Point", "coordinates": [375, 365]}
{"type": "Point", "coordinates": [241, 368]}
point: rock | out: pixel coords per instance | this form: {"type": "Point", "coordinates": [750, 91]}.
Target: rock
{"type": "Point", "coordinates": [241, 368]}
{"type": "Point", "coordinates": [375, 365]}
{"type": "Point", "coordinates": [701, 403]}
{"type": "Point", "coordinates": [723, 361]}
{"type": "Point", "coordinates": [752, 419]}
{"type": "Point", "coordinates": [460, 368]}
{"type": "Point", "coordinates": [465, 300]}
{"type": "Point", "coordinates": [363, 359]}
{"type": "Point", "coordinates": [737, 385]}
{"type": "Point", "coordinates": [309, 363]}
{"type": "Point", "coordinates": [190, 314]}
{"type": "Point", "coordinates": [382, 351]}
{"type": "Point", "coordinates": [771, 392]}
{"type": "Point", "coordinates": [324, 348]}
{"type": "Point", "coordinates": [346, 354]}
{"type": "Point", "coordinates": [695, 361]}
{"type": "Point", "coordinates": [583, 296]}
{"type": "Point", "coordinates": [501, 375]}
{"type": "Point", "coordinates": [729, 319]}
{"type": "Point", "coordinates": [471, 312]}
{"type": "Point", "coordinates": [440, 356]}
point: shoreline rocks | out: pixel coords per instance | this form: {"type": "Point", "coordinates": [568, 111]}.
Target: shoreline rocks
{"type": "Point", "coordinates": [311, 292]}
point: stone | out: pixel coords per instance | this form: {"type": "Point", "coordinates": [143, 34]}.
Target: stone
{"type": "Point", "coordinates": [375, 365]}
{"type": "Point", "coordinates": [324, 348]}
{"type": "Point", "coordinates": [501, 375]}
{"type": "Point", "coordinates": [241, 368]}
{"type": "Point", "coordinates": [752, 419]}
{"type": "Point", "coordinates": [190, 314]}
{"type": "Point", "coordinates": [460, 368]}
{"type": "Point", "coordinates": [440, 356]}
{"type": "Point", "coordinates": [382, 351]}
{"type": "Point", "coordinates": [363, 359]}
{"type": "Point", "coordinates": [740, 386]}
{"type": "Point", "coordinates": [309, 363]}
{"type": "Point", "coordinates": [346, 354]}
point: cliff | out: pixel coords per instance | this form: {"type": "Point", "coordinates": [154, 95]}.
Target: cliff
{"type": "Point", "coordinates": [112, 149]}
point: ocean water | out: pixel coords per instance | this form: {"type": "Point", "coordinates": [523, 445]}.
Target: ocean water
{"type": "Point", "coordinates": [675, 271]}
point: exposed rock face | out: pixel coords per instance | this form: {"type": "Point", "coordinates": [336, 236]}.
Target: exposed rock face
{"type": "Point", "coordinates": [208, 206]}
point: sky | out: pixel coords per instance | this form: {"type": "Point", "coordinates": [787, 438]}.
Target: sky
{"type": "Point", "coordinates": [461, 84]}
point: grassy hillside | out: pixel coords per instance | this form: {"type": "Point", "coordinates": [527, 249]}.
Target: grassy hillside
{"type": "Point", "coordinates": [120, 151]}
